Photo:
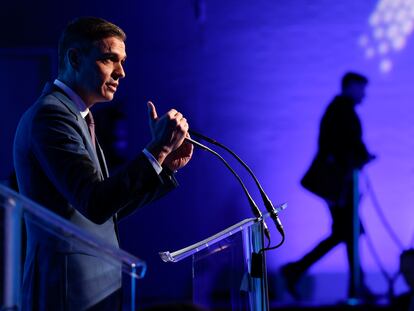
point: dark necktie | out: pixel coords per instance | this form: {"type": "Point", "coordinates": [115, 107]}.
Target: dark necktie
{"type": "Point", "coordinates": [91, 125]}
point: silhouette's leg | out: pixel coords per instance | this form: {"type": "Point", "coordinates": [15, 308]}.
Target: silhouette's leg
{"type": "Point", "coordinates": [293, 271]}
{"type": "Point", "coordinates": [320, 250]}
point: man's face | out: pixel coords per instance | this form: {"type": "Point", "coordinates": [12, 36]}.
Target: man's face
{"type": "Point", "coordinates": [101, 69]}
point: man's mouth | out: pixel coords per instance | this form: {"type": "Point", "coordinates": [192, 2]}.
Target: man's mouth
{"type": "Point", "coordinates": [112, 86]}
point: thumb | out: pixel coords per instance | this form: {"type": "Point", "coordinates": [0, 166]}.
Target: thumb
{"type": "Point", "coordinates": [152, 112]}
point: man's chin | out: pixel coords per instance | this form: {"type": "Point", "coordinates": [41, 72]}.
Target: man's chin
{"type": "Point", "coordinates": [107, 98]}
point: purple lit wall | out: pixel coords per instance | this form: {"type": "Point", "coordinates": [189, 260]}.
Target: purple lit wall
{"type": "Point", "coordinates": [263, 75]}
{"type": "Point", "coordinates": [269, 71]}
{"type": "Point", "coordinates": [257, 76]}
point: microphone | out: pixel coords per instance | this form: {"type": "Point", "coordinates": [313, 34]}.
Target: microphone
{"type": "Point", "coordinates": [267, 202]}
{"type": "Point", "coordinates": [256, 211]}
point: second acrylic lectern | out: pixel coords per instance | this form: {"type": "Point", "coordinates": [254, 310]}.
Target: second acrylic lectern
{"type": "Point", "coordinates": [223, 275]}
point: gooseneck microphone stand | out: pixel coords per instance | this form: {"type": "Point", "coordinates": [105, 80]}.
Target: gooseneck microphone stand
{"type": "Point", "coordinates": [273, 212]}
{"type": "Point", "coordinates": [256, 211]}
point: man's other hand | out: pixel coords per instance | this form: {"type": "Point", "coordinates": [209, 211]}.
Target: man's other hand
{"type": "Point", "coordinates": [180, 156]}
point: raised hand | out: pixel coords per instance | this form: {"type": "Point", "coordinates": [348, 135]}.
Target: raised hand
{"type": "Point", "coordinates": [168, 134]}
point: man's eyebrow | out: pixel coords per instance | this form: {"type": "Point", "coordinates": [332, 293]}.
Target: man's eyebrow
{"type": "Point", "coordinates": [112, 55]}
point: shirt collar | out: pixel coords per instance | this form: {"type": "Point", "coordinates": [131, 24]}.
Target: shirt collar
{"type": "Point", "coordinates": [80, 104]}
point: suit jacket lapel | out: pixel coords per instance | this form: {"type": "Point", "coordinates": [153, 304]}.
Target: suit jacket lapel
{"type": "Point", "coordinates": [101, 157]}
{"type": "Point", "coordinates": [59, 94]}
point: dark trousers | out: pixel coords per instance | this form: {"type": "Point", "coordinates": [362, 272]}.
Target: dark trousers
{"type": "Point", "coordinates": [342, 231]}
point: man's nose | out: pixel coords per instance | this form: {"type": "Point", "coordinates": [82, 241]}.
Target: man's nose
{"type": "Point", "coordinates": [119, 72]}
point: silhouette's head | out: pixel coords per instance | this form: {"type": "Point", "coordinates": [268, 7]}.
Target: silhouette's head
{"type": "Point", "coordinates": [353, 86]}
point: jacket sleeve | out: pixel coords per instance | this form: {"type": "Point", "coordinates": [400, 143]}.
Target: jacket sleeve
{"type": "Point", "coordinates": [59, 146]}
{"type": "Point", "coordinates": [169, 182]}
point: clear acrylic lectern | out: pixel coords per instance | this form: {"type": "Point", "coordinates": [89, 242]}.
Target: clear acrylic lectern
{"type": "Point", "coordinates": [14, 208]}
{"type": "Point", "coordinates": [222, 268]}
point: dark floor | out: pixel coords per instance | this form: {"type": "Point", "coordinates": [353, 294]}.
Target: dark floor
{"type": "Point", "coordinates": [338, 307]}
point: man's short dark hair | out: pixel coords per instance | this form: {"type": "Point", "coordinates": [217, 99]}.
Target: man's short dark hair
{"type": "Point", "coordinates": [83, 32]}
{"type": "Point", "coordinates": [353, 77]}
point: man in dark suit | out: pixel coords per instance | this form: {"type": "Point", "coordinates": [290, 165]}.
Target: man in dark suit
{"type": "Point", "coordinates": [60, 165]}
{"type": "Point", "coordinates": [341, 151]}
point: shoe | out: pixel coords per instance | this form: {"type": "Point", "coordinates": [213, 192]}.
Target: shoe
{"type": "Point", "coordinates": [291, 276]}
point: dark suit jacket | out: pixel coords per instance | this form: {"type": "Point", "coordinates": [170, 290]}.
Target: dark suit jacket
{"type": "Point", "coordinates": [341, 150]}
{"type": "Point", "coordinates": [57, 166]}
{"type": "Point", "coordinates": [340, 135]}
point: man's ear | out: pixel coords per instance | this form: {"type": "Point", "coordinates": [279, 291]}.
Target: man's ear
{"type": "Point", "coordinates": [73, 58]}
